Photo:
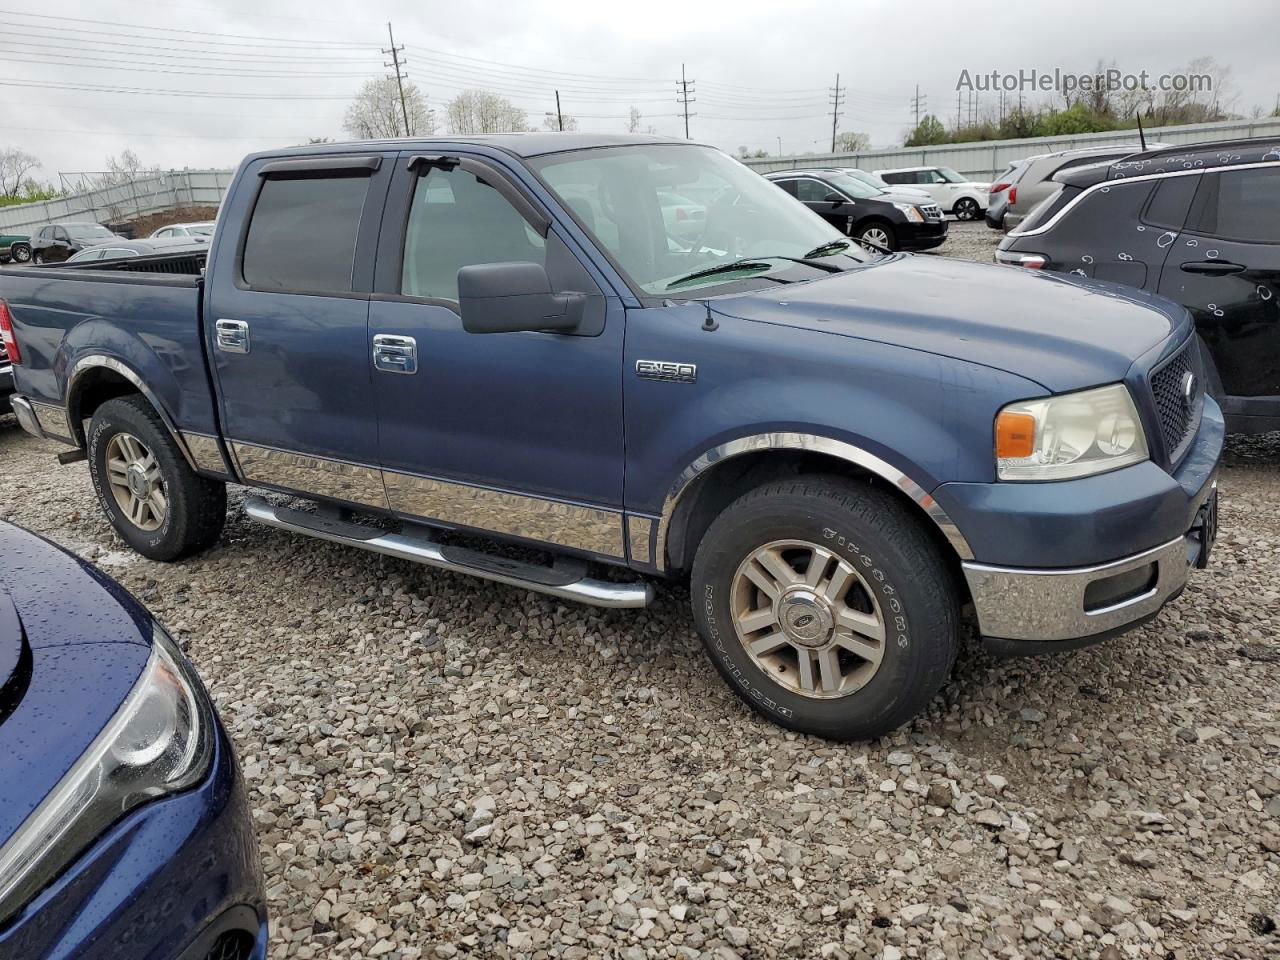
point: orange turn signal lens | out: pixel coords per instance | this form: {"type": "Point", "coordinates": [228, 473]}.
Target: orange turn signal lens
{"type": "Point", "coordinates": [1015, 435]}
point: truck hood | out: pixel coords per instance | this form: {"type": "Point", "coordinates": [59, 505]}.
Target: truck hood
{"type": "Point", "coordinates": [1060, 331]}
{"type": "Point", "coordinates": [72, 645]}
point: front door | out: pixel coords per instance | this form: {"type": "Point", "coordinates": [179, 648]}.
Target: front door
{"type": "Point", "coordinates": [828, 203]}
{"type": "Point", "coordinates": [287, 326]}
{"type": "Point", "coordinates": [1225, 268]}
{"type": "Point", "coordinates": [513, 433]}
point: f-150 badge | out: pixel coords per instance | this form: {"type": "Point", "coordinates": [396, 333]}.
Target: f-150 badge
{"type": "Point", "coordinates": [667, 370]}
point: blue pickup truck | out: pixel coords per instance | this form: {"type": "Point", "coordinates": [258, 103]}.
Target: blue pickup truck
{"type": "Point", "coordinates": [443, 345]}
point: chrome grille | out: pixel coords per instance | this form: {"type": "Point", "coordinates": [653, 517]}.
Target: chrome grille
{"type": "Point", "coordinates": [931, 211]}
{"type": "Point", "coordinates": [1179, 415]}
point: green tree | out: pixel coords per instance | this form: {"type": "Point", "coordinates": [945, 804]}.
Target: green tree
{"type": "Point", "coordinates": [929, 131]}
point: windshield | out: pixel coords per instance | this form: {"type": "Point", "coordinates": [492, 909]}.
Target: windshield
{"type": "Point", "coordinates": [88, 231]}
{"type": "Point", "coordinates": [867, 178]}
{"type": "Point", "coordinates": [951, 176]}
{"type": "Point", "coordinates": [201, 229]}
{"type": "Point", "coordinates": [853, 186]}
{"type": "Point", "coordinates": [629, 199]}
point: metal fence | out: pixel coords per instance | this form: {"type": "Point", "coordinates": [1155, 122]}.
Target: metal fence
{"type": "Point", "coordinates": [155, 193]}
{"type": "Point", "coordinates": [985, 159]}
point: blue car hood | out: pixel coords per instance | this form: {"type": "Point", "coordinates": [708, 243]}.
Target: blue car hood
{"type": "Point", "coordinates": [1060, 331]}
{"type": "Point", "coordinates": [72, 644]}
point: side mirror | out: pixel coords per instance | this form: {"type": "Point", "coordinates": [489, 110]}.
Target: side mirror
{"type": "Point", "coordinates": [833, 198]}
{"type": "Point", "coordinates": [510, 297]}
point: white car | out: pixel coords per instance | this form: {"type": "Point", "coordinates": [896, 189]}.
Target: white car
{"type": "Point", "coordinates": [873, 180]}
{"type": "Point", "coordinates": [201, 232]}
{"type": "Point", "coordinates": [965, 198]}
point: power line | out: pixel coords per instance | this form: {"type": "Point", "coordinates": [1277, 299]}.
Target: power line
{"type": "Point", "coordinates": [919, 103]}
{"type": "Point", "coordinates": [201, 33]}
{"type": "Point", "coordinates": [684, 99]}
{"type": "Point", "coordinates": [835, 113]}
{"type": "Point", "coordinates": [396, 62]}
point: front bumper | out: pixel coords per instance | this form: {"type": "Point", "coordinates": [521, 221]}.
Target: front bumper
{"type": "Point", "coordinates": [922, 236]}
{"type": "Point", "coordinates": [1045, 574]}
{"type": "Point", "coordinates": [167, 880]}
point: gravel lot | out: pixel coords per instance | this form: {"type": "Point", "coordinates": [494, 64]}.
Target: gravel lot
{"type": "Point", "coordinates": [444, 768]}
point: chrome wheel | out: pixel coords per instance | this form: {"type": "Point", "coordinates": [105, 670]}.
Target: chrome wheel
{"type": "Point", "coordinates": [807, 619]}
{"type": "Point", "coordinates": [136, 482]}
{"type": "Point", "coordinates": [20, 254]}
{"type": "Point", "coordinates": [876, 235]}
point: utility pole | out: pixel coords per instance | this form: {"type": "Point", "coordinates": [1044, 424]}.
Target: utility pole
{"type": "Point", "coordinates": [779, 146]}
{"type": "Point", "coordinates": [835, 112]}
{"type": "Point", "coordinates": [958, 115]}
{"type": "Point", "coordinates": [683, 90]}
{"type": "Point", "coordinates": [559, 115]}
{"type": "Point", "coordinates": [918, 102]}
{"type": "Point", "coordinates": [398, 61]}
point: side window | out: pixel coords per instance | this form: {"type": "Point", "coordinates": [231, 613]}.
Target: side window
{"type": "Point", "coordinates": [1169, 202]}
{"type": "Point", "coordinates": [61, 234]}
{"type": "Point", "coordinates": [1239, 205]}
{"type": "Point", "coordinates": [457, 220]}
{"type": "Point", "coordinates": [812, 191]}
{"type": "Point", "coordinates": [930, 177]}
{"type": "Point", "coordinates": [46, 233]}
{"type": "Point", "coordinates": [896, 177]}
{"type": "Point", "coordinates": [166, 232]}
{"type": "Point", "coordinates": [788, 185]}
{"type": "Point", "coordinates": [302, 234]}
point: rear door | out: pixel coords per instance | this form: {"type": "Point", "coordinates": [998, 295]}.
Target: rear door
{"type": "Point", "coordinates": [286, 325]}
{"type": "Point", "coordinates": [1226, 270]}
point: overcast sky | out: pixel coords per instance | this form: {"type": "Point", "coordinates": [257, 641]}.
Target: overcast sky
{"type": "Point", "coordinates": [762, 70]}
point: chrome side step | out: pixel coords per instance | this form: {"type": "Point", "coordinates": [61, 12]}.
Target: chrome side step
{"type": "Point", "coordinates": [567, 581]}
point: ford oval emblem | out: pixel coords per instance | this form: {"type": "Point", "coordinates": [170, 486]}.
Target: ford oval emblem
{"type": "Point", "coordinates": [1188, 388]}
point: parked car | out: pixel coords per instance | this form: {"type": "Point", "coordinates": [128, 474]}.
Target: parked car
{"type": "Point", "coordinates": [1004, 189]}
{"type": "Point", "coordinates": [124, 249]}
{"type": "Point", "coordinates": [200, 232]}
{"type": "Point", "coordinates": [55, 242]}
{"type": "Point", "coordinates": [14, 248]}
{"type": "Point", "coordinates": [683, 217]}
{"type": "Point", "coordinates": [124, 825]}
{"type": "Point", "coordinates": [1036, 180]}
{"type": "Point", "coordinates": [1199, 224]}
{"type": "Point", "coordinates": [955, 194]}
{"type": "Point", "coordinates": [837, 450]}
{"type": "Point", "coordinates": [864, 212]}
{"type": "Point", "coordinates": [873, 180]}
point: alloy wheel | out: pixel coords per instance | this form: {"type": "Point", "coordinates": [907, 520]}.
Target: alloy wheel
{"type": "Point", "coordinates": [877, 236]}
{"type": "Point", "coordinates": [807, 619]}
{"type": "Point", "coordinates": [136, 482]}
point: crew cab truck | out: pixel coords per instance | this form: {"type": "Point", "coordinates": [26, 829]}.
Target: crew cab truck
{"type": "Point", "coordinates": [497, 339]}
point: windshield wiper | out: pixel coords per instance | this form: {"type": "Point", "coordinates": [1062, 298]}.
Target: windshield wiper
{"type": "Point", "coordinates": [827, 249]}
{"type": "Point", "coordinates": [747, 263]}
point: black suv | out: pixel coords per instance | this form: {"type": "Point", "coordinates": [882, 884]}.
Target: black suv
{"type": "Point", "coordinates": [55, 242]}
{"type": "Point", "coordinates": [1197, 223]}
{"type": "Point", "coordinates": [884, 218]}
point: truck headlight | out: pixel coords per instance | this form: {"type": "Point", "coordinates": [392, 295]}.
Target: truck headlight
{"type": "Point", "coordinates": [1071, 435]}
{"type": "Point", "coordinates": [160, 741]}
{"type": "Point", "coordinates": [911, 212]}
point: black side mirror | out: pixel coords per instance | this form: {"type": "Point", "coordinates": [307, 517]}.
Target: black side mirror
{"type": "Point", "coordinates": [510, 297]}
{"type": "Point", "coordinates": [833, 198]}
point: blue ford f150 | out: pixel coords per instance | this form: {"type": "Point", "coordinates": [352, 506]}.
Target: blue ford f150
{"type": "Point", "coordinates": [843, 453]}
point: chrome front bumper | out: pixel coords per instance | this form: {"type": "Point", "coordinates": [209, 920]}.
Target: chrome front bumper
{"type": "Point", "coordinates": [27, 417]}
{"type": "Point", "coordinates": [1024, 610]}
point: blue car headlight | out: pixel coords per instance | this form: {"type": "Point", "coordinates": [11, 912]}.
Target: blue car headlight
{"type": "Point", "coordinates": [160, 741]}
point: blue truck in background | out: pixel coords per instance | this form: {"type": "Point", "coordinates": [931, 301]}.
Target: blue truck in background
{"type": "Point", "coordinates": [847, 455]}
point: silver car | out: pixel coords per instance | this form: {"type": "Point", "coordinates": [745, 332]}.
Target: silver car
{"type": "Point", "coordinates": [1035, 181]}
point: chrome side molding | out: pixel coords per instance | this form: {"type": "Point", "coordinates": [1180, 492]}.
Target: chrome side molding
{"type": "Point", "coordinates": [422, 549]}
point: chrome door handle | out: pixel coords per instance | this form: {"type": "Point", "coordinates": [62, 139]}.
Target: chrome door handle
{"type": "Point", "coordinates": [232, 336]}
{"type": "Point", "coordinates": [395, 354]}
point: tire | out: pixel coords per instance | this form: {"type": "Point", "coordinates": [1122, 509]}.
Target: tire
{"type": "Point", "coordinates": [194, 508]}
{"type": "Point", "coordinates": [877, 228]}
{"type": "Point", "coordinates": [19, 253]}
{"type": "Point", "coordinates": [966, 208]}
{"type": "Point", "coordinates": [900, 575]}
{"type": "Point", "coordinates": [37, 257]}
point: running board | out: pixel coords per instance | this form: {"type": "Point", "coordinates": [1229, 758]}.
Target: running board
{"type": "Point", "coordinates": [567, 580]}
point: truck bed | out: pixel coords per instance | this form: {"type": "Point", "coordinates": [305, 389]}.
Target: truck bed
{"type": "Point", "coordinates": [143, 313]}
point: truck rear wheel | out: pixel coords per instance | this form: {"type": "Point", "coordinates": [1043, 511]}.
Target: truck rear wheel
{"type": "Point", "coordinates": [155, 501]}
{"type": "Point", "coordinates": [826, 607]}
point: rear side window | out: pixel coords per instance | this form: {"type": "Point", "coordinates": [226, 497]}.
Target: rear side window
{"type": "Point", "coordinates": [1168, 205]}
{"type": "Point", "coordinates": [1239, 205]}
{"type": "Point", "coordinates": [787, 185]}
{"type": "Point", "coordinates": [897, 177]}
{"type": "Point", "coordinates": [302, 235]}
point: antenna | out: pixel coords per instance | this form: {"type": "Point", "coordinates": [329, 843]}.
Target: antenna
{"type": "Point", "coordinates": [1142, 137]}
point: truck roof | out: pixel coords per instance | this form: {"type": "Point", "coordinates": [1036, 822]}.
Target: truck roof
{"type": "Point", "coordinates": [520, 144]}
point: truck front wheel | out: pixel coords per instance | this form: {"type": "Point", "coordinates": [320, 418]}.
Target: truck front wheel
{"type": "Point", "coordinates": [155, 501]}
{"type": "Point", "coordinates": [826, 607]}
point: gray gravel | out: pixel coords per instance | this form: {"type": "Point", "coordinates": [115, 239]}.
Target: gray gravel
{"type": "Point", "coordinates": [441, 767]}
